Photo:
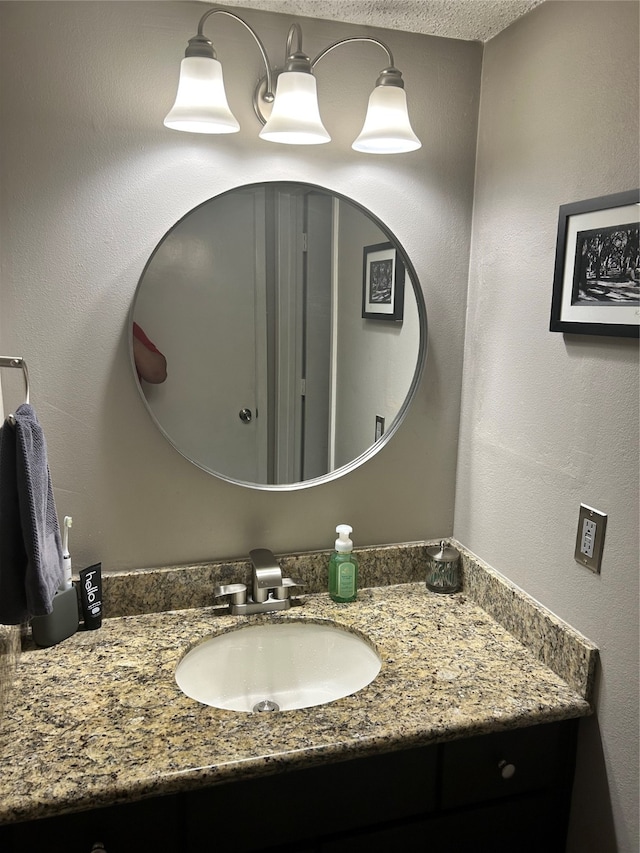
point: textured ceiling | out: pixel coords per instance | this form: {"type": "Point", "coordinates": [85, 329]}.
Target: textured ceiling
{"type": "Point", "coordinates": [471, 20]}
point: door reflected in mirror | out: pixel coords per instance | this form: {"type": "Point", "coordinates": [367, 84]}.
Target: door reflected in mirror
{"type": "Point", "coordinates": [254, 342]}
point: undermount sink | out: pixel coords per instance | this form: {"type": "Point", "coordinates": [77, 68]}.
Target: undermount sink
{"type": "Point", "coordinates": [277, 666]}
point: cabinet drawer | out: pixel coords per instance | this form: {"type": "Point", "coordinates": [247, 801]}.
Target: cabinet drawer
{"type": "Point", "coordinates": [500, 765]}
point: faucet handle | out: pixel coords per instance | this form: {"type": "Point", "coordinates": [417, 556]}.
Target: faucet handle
{"type": "Point", "coordinates": [282, 592]}
{"type": "Point", "coordinates": [237, 591]}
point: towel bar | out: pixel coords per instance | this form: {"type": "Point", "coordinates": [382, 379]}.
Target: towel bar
{"type": "Point", "coordinates": [16, 361]}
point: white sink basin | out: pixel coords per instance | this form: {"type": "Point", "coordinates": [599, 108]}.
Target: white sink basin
{"type": "Point", "coordinates": [291, 664]}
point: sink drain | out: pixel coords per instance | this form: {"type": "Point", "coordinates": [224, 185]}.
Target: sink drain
{"type": "Point", "coordinates": [266, 705]}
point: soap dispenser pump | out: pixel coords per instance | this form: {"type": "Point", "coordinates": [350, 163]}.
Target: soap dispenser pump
{"type": "Point", "coordinates": [343, 568]}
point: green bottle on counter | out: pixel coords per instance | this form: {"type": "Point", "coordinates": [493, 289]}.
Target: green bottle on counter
{"type": "Point", "coordinates": [343, 568]}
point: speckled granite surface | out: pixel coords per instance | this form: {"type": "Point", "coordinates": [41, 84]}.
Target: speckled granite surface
{"type": "Point", "coordinates": [9, 656]}
{"type": "Point", "coordinates": [567, 652]}
{"type": "Point", "coordinates": [564, 650]}
{"type": "Point", "coordinates": [99, 718]}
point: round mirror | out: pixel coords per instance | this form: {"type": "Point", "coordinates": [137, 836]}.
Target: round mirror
{"type": "Point", "coordinates": [278, 335]}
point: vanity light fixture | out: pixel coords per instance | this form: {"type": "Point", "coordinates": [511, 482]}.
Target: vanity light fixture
{"type": "Point", "coordinates": [201, 102]}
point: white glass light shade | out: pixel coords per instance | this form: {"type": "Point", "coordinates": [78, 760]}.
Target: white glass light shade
{"type": "Point", "coordinates": [387, 129]}
{"type": "Point", "coordinates": [201, 102]}
{"type": "Point", "coordinates": [295, 117]}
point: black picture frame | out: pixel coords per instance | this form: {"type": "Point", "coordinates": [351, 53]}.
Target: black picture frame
{"type": "Point", "coordinates": [382, 283]}
{"type": "Point", "coordinates": [596, 280]}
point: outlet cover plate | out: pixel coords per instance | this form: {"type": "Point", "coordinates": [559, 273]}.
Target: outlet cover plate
{"type": "Point", "coordinates": [592, 525]}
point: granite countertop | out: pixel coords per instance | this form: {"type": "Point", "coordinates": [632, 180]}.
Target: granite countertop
{"type": "Point", "coordinates": [99, 718]}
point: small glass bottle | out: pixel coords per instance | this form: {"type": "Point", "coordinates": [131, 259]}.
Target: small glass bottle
{"type": "Point", "coordinates": [343, 568]}
{"type": "Point", "coordinates": [443, 568]}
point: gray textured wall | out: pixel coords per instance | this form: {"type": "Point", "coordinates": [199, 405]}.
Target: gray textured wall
{"type": "Point", "coordinates": [91, 180]}
{"type": "Point", "coordinates": [551, 421]}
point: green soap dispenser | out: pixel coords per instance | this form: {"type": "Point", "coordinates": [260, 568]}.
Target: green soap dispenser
{"type": "Point", "coordinates": [343, 568]}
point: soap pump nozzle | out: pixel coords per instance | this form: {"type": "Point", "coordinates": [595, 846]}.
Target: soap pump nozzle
{"type": "Point", "coordinates": [343, 543]}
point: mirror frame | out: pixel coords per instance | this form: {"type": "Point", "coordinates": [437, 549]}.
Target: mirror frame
{"type": "Point", "coordinates": [377, 446]}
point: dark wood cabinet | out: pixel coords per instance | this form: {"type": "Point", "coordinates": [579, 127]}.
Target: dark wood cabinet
{"type": "Point", "coordinates": [501, 792]}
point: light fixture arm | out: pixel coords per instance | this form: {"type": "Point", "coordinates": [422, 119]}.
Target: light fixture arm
{"type": "Point", "coordinates": [389, 76]}
{"type": "Point", "coordinates": [336, 44]}
{"type": "Point", "coordinates": [200, 45]}
{"type": "Point", "coordinates": [296, 60]}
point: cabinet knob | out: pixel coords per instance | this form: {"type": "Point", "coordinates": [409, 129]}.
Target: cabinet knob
{"type": "Point", "coordinates": [506, 770]}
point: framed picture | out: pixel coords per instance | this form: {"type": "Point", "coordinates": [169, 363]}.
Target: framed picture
{"type": "Point", "coordinates": [382, 283]}
{"type": "Point", "coordinates": [596, 282]}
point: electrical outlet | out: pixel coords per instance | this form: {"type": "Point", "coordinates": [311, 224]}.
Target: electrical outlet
{"type": "Point", "coordinates": [590, 539]}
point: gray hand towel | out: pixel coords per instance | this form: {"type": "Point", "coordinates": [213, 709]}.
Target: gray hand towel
{"type": "Point", "coordinates": [13, 557]}
{"type": "Point", "coordinates": [31, 566]}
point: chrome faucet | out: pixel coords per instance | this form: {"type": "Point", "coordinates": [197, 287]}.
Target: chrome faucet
{"type": "Point", "coordinates": [266, 574]}
{"type": "Point", "coordinates": [269, 590]}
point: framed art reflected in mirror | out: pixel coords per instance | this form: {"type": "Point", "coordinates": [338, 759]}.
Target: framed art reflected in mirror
{"type": "Point", "coordinates": [382, 283]}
